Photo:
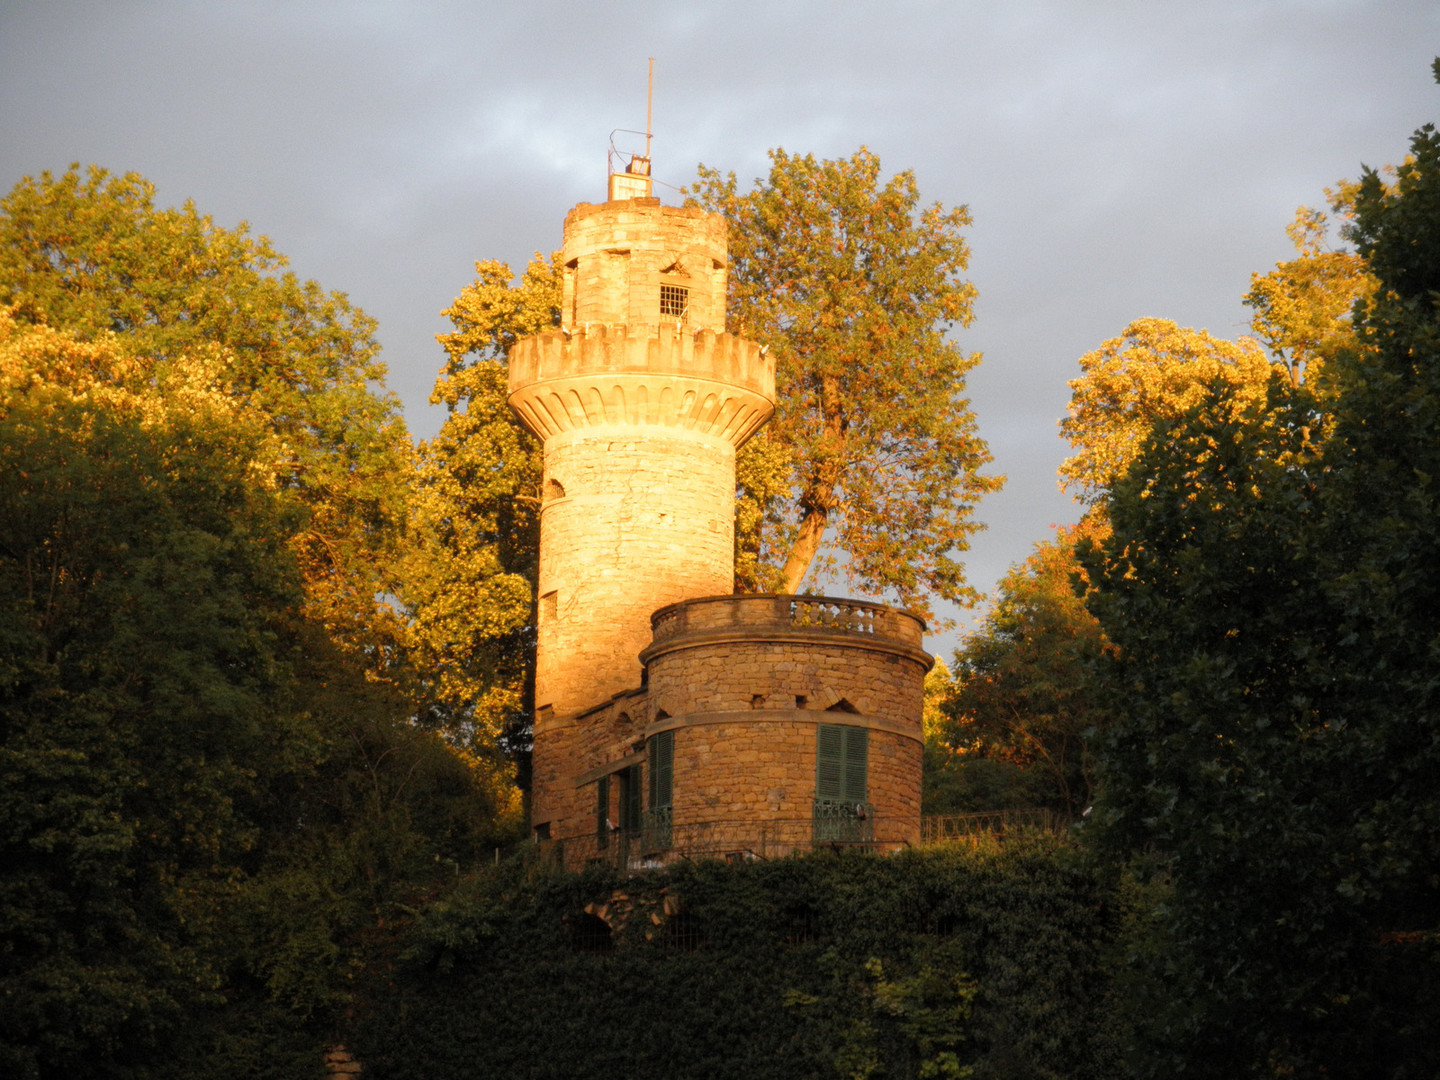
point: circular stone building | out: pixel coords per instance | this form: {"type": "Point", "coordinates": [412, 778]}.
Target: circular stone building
{"type": "Point", "coordinates": [798, 711]}
{"type": "Point", "coordinates": [669, 719]}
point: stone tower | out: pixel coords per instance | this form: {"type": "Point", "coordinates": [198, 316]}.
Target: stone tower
{"type": "Point", "coordinates": [641, 400]}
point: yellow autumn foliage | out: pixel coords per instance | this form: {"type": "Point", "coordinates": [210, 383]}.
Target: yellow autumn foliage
{"type": "Point", "coordinates": [43, 365]}
{"type": "Point", "coordinates": [1303, 307]}
{"type": "Point", "coordinates": [1155, 370]}
{"type": "Point", "coordinates": [468, 575]}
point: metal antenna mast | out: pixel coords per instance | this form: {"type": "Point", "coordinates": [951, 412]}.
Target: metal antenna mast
{"type": "Point", "coordinates": [649, 100]}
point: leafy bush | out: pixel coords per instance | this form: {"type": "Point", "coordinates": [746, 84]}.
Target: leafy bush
{"type": "Point", "coordinates": [956, 962]}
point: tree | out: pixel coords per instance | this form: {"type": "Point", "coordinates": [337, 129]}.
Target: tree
{"type": "Point", "coordinates": [1152, 373]}
{"type": "Point", "coordinates": [1272, 603]}
{"type": "Point", "coordinates": [470, 579]}
{"type": "Point", "coordinates": [1234, 771]}
{"type": "Point", "coordinates": [1303, 306]}
{"type": "Point", "coordinates": [93, 255]}
{"type": "Point", "coordinates": [1025, 690]}
{"type": "Point", "coordinates": [207, 796]}
{"type": "Point", "coordinates": [143, 584]}
{"type": "Point", "coordinates": [1156, 370]}
{"type": "Point", "coordinates": [953, 780]}
{"type": "Point", "coordinates": [852, 285]}
{"type": "Point", "coordinates": [1384, 552]}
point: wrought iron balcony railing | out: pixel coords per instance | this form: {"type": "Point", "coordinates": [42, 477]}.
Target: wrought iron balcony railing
{"type": "Point", "coordinates": [658, 833]}
{"type": "Point", "coordinates": [838, 822]}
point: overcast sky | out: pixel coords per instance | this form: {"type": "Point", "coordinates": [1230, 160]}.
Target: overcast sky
{"type": "Point", "coordinates": [1119, 159]}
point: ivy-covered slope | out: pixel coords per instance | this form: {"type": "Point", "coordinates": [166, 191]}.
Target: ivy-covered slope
{"type": "Point", "coordinates": [984, 963]}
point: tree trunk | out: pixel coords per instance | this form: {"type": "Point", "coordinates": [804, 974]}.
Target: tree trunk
{"type": "Point", "coordinates": [802, 552]}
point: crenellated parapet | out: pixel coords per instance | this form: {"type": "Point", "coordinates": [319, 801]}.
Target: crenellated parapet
{"type": "Point", "coordinates": [642, 376]}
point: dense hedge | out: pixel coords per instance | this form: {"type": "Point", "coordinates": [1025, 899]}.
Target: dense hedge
{"type": "Point", "coordinates": [928, 963]}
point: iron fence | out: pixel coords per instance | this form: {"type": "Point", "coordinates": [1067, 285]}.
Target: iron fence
{"type": "Point", "coordinates": [838, 822]}
{"type": "Point", "coordinates": [661, 840]}
{"type": "Point", "coordinates": [996, 823]}
{"type": "Point", "coordinates": [832, 825]}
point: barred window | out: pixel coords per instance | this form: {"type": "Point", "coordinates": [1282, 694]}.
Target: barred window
{"type": "Point", "coordinates": [674, 299]}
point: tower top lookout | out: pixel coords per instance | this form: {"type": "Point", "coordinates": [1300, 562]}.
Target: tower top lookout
{"type": "Point", "coordinates": [634, 182]}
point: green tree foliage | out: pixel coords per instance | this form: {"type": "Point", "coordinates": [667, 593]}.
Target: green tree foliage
{"type": "Point", "coordinates": [945, 786]}
{"type": "Point", "coordinates": [923, 964]}
{"type": "Point", "coordinates": [144, 582]}
{"type": "Point", "coordinates": [852, 285]}
{"type": "Point", "coordinates": [911, 1026]}
{"type": "Point", "coordinates": [1382, 512]}
{"type": "Point", "coordinates": [1206, 764]}
{"type": "Point", "coordinates": [1025, 693]}
{"type": "Point", "coordinates": [206, 795]}
{"type": "Point", "coordinates": [92, 254]}
{"type": "Point", "coordinates": [1274, 607]}
{"type": "Point", "coordinates": [470, 579]}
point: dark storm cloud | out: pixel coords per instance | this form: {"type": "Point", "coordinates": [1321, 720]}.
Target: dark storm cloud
{"type": "Point", "coordinates": [1120, 159]}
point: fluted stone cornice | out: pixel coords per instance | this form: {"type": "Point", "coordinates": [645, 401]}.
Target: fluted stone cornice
{"type": "Point", "coordinates": [660, 376]}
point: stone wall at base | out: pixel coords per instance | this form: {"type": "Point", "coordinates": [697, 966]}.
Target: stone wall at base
{"type": "Point", "coordinates": [759, 769]}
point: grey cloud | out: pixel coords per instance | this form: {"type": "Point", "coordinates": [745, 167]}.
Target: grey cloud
{"type": "Point", "coordinates": [1120, 159]}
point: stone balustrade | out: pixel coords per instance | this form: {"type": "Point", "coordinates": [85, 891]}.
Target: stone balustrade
{"type": "Point", "coordinates": [759, 615]}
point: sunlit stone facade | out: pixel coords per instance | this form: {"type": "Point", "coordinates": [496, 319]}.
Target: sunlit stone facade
{"type": "Point", "coordinates": [703, 729]}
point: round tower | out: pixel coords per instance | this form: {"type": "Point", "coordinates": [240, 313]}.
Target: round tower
{"type": "Point", "coordinates": [641, 401]}
{"type": "Point", "coordinates": [792, 719]}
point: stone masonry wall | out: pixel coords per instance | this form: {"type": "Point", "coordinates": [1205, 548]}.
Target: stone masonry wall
{"type": "Point", "coordinates": [764, 770]}
{"type": "Point", "coordinates": [746, 712]}
{"type": "Point", "coordinates": [631, 521]}
{"type": "Point", "coordinates": [634, 521]}
{"type": "Point", "coordinates": [575, 754]}
{"type": "Point", "coordinates": [618, 254]}
{"type": "Point", "coordinates": [730, 676]}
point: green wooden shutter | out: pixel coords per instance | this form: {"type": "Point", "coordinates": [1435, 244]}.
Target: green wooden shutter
{"type": "Point", "coordinates": [632, 793]}
{"type": "Point", "coordinates": [829, 762]}
{"type": "Point", "coordinates": [662, 769]}
{"type": "Point", "coordinates": [602, 810]}
{"type": "Point", "coordinates": [857, 760]}
{"type": "Point", "coordinates": [841, 763]}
